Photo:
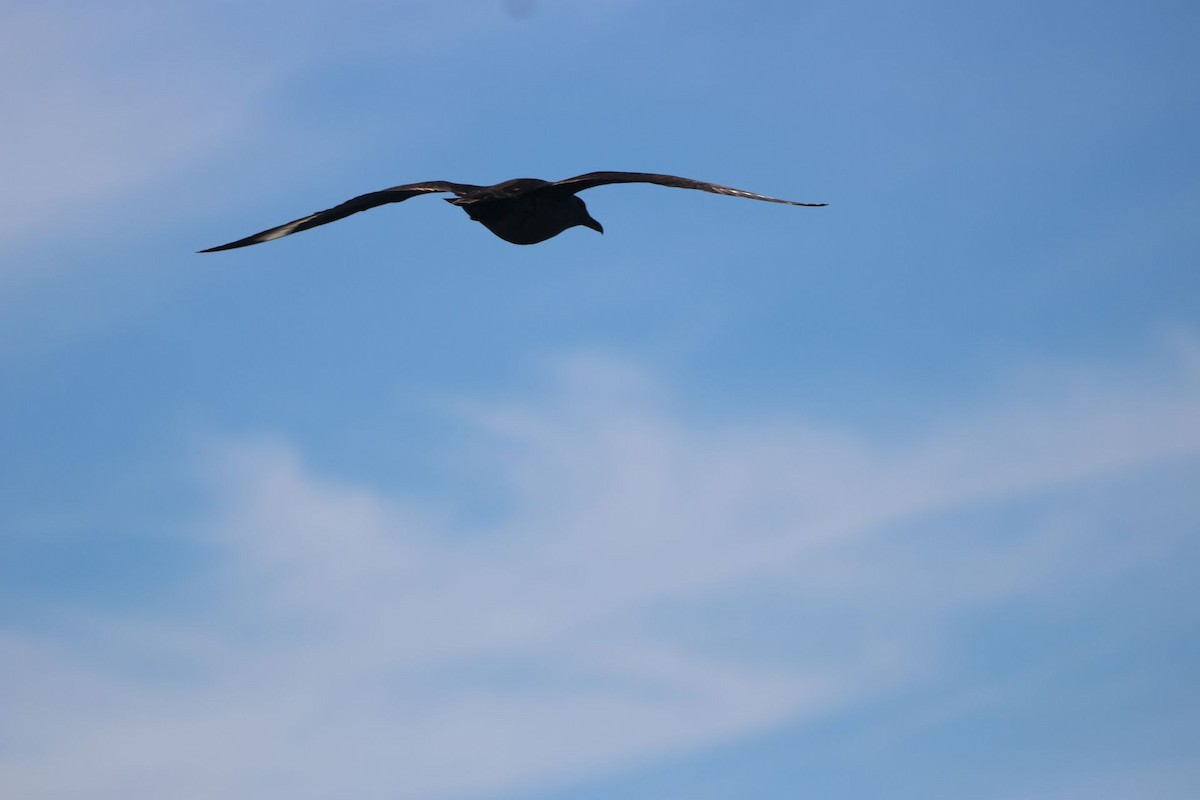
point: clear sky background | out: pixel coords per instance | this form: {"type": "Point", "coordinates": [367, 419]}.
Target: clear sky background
{"type": "Point", "coordinates": [898, 498]}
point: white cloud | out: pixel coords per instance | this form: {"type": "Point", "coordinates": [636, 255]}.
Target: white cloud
{"type": "Point", "coordinates": [97, 101]}
{"type": "Point", "coordinates": [374, 646]}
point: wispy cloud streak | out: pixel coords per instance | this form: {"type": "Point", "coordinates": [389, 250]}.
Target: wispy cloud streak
{"type": "Point", "coordinates": [374, 645]}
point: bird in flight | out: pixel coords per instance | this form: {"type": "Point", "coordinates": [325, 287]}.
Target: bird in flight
{"type": "Point", "coordinates": [521, 211]}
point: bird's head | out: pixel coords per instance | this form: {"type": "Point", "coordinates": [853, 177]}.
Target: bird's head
{"type": "Point", "coordinates": [582, 217]}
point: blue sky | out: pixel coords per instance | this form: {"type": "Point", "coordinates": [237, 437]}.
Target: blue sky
{"type": "Point", "coordinates": [895, 498]}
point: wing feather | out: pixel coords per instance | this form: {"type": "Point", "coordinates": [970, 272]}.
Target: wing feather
{"type": "Point", "coordinates": [594, 179]}
{"type": "Point", "coordinates": [363, 202]}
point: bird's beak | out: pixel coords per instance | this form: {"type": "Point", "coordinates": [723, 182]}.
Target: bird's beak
{"type": "Point", "coordinates": [593, 224]}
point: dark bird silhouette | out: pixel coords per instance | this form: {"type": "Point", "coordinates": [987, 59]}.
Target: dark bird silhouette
{"type": "Point", "coordinates": [521, 211]}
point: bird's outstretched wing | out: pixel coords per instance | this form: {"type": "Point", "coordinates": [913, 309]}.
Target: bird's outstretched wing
{"type": "Point", "coordinates": [593, 179]}
{"type": "Point", "coordinates": [351, 206]}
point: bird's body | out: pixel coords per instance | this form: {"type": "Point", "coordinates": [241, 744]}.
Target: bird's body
{"type": "Point", "coordinates": [518, 213]}
{"type": "Point", "coordinates": [521, 211]}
